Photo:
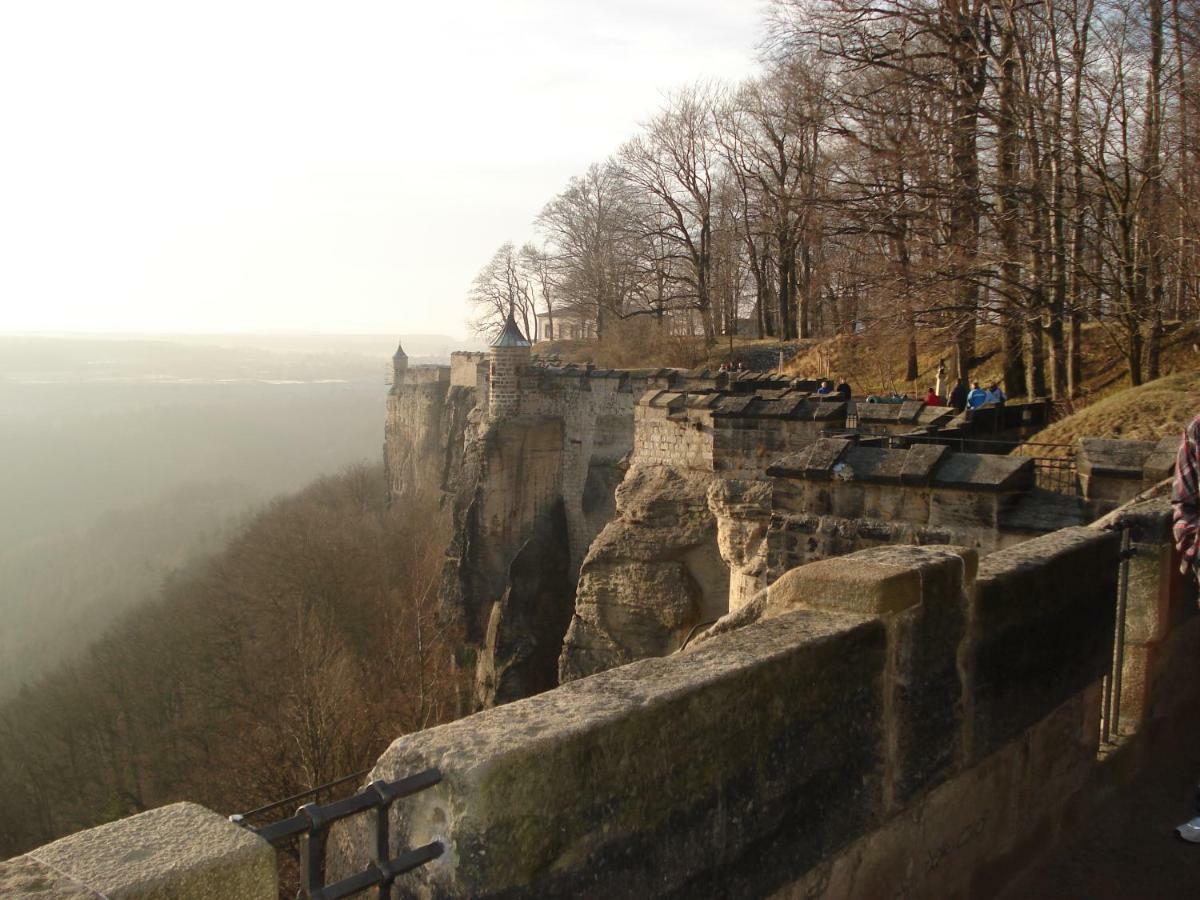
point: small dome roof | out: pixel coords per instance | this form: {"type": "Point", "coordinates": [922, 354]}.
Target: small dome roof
{"type": "Point", "coordinates": [399, 354]}
{"type": "Point", "coordinates": [511, 335]}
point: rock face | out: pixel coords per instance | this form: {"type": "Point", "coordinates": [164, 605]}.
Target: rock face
{"type": "Point", "coordinates": [426, 419]}
{"type": "Point", "coordinates": [535, 486]}
{"type": "Point", "coordinates": [606, 516]}
{"type": "Point", "coordinates": [652, 575]}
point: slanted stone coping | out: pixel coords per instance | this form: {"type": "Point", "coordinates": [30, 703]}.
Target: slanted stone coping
{"type": "Point", "coordinates": [827, 459]}
{"type": "Point", "coordinates": [1117, 470]}
{"type": "Point", "coordinates": [1149, 461]}
{"type": "Point", "coordinates": [750, 764]}
{"type": "Point", "coordinates": [177, 852]}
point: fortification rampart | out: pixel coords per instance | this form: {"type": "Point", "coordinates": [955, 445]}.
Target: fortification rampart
{"type": "Point", "coordinates": [905, 721]}
{"type": "Point", "coordinates": [728, 431]}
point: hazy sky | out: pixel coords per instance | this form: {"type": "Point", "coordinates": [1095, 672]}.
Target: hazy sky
{"type": "Point", "coordinates": [340, 166]}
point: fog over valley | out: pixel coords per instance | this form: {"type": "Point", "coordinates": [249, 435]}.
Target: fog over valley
{"type": "Point", "coordinates": [124, 457]}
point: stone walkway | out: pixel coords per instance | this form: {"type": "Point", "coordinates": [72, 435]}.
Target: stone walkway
{"type": "Point", "coordinates": [1128, 849]}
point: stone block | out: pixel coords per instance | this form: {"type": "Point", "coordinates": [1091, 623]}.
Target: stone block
{"type": "Point", "coordinates": [847, 499]}
{"type": "Point", "coordinates": [1160, 463]}
{"type": "Point", "coordinates": [1113, 458]}
{"type": "Point", "coordinates": [177, 852]}
{"type": "Point", "coordinates": [814, 462]}
{"type": "Point", "coordinates": [963, 509]}
{"type": "Point", "coordinates": [721, 772]}
{"type": "Point", "coordinates": [854, 583]}
{"type": "Point", "coordinates": [1042, 630]}
{"type": "Point", "coordinates": [984, 472]}
{"type": "Point", "coordinates": [24, 878]}
{"type": "Point", "coordinates": [920, 461]}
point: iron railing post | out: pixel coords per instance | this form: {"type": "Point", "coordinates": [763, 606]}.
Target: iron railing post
{"type": "Point", "coordinates": [1119, 642]}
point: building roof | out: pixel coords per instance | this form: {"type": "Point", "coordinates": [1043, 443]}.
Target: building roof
{"type": "Point", "coordinates": [399, 354]}
{"type": "Point", "coordinates": [511, 335]}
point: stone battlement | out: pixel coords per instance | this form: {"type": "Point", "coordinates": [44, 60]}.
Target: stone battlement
{"type": "Point", "coordinates": [902, 721]}
{"type": "Point", "coordinates": [728, 431]}
{"type": "Point", "coordinates": [439, 375]}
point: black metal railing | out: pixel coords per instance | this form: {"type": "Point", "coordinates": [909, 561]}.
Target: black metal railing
{"type": "Point", "coordinates": [1057, 474]}
{"type": "Point", "coordinates": [311, 823]}
{"type": "Point", "coordinates": [1110, 717]}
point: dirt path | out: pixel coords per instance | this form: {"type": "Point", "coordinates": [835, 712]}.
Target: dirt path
{"type": "Point", "coordinates": [1128, 850]}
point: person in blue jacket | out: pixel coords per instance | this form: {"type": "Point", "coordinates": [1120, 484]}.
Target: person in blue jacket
{"type": "Point", "coordinates": [977, 397]}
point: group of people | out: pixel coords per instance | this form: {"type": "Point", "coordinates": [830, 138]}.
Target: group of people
{"type": "Point", "coordinates": [960, 398]}
{"type": "Point", "coordinates": [842, 391]}
{"type": "Point", "coordinates": [734, 365]}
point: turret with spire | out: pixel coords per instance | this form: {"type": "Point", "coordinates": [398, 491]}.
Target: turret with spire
{"type": "Point", "coordinates": [399, 364]}
{"type": "Point", "coordinates": [509, 353]}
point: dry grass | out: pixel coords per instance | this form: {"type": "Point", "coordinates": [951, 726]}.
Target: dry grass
{"type": "Point", "coordinates": [1149, 412]}
{"type": "Point", "coordinates": [874, 360]}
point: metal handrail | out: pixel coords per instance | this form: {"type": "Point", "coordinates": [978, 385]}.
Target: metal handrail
{"type": "Point", "coordinates": [313, 821]}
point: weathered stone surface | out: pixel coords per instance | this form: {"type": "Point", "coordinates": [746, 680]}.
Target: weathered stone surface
{"type": "Point", "coordinates": [922, 594]}
{"type": "Point", "coordinates": [971, 833]}
{"type": "Point", "coordinates": [720, 772]}
{"type": "Point", "coordinates": [423, 435]}
{"type": "Point", "coordinates": [743, 513]}
{"type": "Point", "coordinates": [1115, 458]}
{"type": "Point", "coordinates": [651, 576]}
{"type": "Point", "coordinates": [1042, 627]}
{"type": "Point", "coordinates": [1160, 463]}
{"type": "Point", "coordinates": [920, 462]}
{"type": "Point", "coordinates": [528, 623]}
{"type": "Point", "coordinates": [984, 472]}
{"type": "Point", "coordinates": [24, 878]}
{"type": "Point", "coordinates": [1117, 470]}
{"type": "Point", "coordinates": [177, 852]}
{"type": "Point", "coordinates": [854, 583]}
{"type": "Point", "coordinates": [815, 461]}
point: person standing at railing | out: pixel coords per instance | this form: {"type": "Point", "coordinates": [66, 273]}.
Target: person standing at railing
{"type": "Point", "coordinates": [958, 396]}
{"type": "Point", "coordinates": [977, 397]}
{"type": "Point", "coordinates": [1185, 497]}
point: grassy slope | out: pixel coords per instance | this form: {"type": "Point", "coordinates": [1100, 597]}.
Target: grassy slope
{"type": "Point", "coordinates": [1151, 411]}
{"type": "Point", "coordinates": [874, 361]}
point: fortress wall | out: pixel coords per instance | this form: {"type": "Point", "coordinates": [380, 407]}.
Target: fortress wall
{"type": "Point", "coordinates": [684, 440]}
{"type": "Point", "coordinates": [469, 369]}
{"type": "Point", "coordinates": [901, 722]}
{"type": "Point", "coordinates": [426, 375]}
{"type": "Point", "coordinates": [835, 498]}
{"type": "Point", "coordinates": [423, 434]}
{"type": "Point", "coordinates": [537, 487]}
{"type": "Point", "coordinates": [597, 415]}
{"type": "Point", "coordinates": [896, 724]}
{"type": "Point", "coordinates": [741, 445]}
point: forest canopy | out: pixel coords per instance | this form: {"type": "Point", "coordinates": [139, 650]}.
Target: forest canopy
{"type": "Point", "coordinates": [911, 166]}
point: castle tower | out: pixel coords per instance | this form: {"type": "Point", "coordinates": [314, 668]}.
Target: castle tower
{"type": "Point", "coordinates": [509, 354]}
{"type": "Point", "coordinates": [399, 364]}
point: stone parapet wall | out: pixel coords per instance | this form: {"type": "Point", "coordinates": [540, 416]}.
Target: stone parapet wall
{"type": "Point", "coordinates": [902, 722]}
{"type": "Point", "coordinates": [728, 433]}
{"type": "Point", "coordinates": [426, 375]}
{"type": "Point", "coordinates": [880, 702]}
{"type": "Point", "coordinates": [1117, 470]}
{"type": "Point", "coordinates": [177, 852]}
{"type": "Point", "coordinates": [469, 369]}
{"type": "Point", "coordinates": [834, 498]}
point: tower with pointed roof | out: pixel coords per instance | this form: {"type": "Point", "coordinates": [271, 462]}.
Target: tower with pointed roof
{"type": "Point", "coordinates": [399, 364]}
{"type": "Point", "coordinates": [509, 354]}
